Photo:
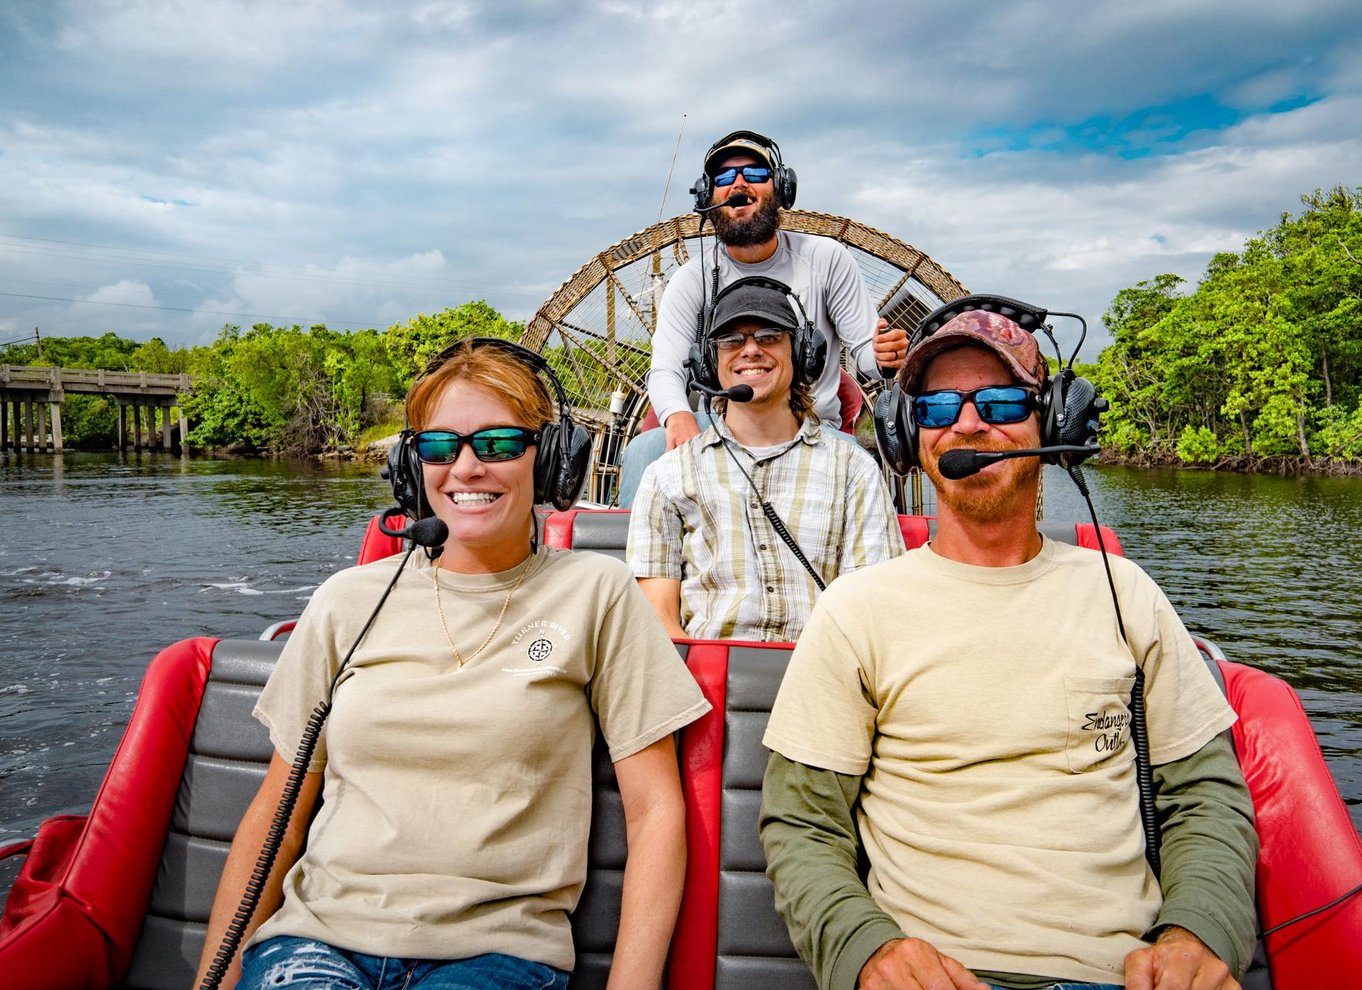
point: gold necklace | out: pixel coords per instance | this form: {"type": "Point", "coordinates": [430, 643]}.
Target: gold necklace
{"type": "Point", "coordinates": [439, 608]}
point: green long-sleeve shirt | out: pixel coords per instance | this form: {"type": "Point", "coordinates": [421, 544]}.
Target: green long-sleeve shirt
{"type": "Point", "coordinates": [808, 829]}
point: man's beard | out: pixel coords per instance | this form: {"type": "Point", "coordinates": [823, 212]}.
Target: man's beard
{"type": "Point", "coordinates": [759, 228]}
{"type": "Point", "coordinates": [983, 503]}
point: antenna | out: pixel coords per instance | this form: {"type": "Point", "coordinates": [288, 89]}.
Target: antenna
{"type": "Point", "coordinates": [668, 184]}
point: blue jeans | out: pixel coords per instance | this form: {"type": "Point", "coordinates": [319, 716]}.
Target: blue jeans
{"type": "Point", "coordinates": [302, 964]}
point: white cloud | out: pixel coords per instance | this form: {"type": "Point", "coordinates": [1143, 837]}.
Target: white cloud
{"type": "Point", "coordinates": [335, 161]}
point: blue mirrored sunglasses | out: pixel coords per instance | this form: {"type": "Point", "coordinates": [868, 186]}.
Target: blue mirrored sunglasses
{"type": "Point", "coordinates": [495, 443]}
{"type": "Point", "coordinates": [753, 174]}
{"type": "Point", "coordinates": [996, 405]}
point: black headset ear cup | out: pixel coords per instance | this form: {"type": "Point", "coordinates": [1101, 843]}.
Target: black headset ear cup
{"type": "Point", "coordinates": [810, 353]}
{"type": "Point", "coordinates": [895, 430]}
{"type": "Point", "coordinates": [1050, 401]}
{"type": "Point", "coordinates": [1070, 410]}
{"type": "Point", "coordinates": [703, 363]}
{"type": "Point", "coordinates": [787, 184]}
{"type": "Point", "coordinates": [561, 463]}
{"type": "Point", "coordinates": [703, 191]}
{"type": "Point", "coordinates": [406, 477]}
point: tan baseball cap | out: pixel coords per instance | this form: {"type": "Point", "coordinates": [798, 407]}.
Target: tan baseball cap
{"type": "Point", "coordinates": [738, 146]}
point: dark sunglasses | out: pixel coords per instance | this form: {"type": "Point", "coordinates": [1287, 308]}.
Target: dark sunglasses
{"type": "Point", "coordinates": [765, 337]}
{"type": "Point", "coordinates": [753, 174]}
{"type": "Point", "coordinates": [996, 405]}
{"type": "Point", "coordinates": [496, 443]}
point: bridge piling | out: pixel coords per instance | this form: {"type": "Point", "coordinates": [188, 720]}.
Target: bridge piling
{"type": "Point", "coordinates": [31, 399]}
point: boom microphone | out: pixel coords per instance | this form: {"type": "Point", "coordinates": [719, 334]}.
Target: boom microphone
{"type": "Point", "coordinates": [428, 532]}
{"type": "Point", "coordinates": [963, 462]}
{"type": "Point", "coordinates": [738, 393]}
{"type": "Point", "coordinates": [737, 199]}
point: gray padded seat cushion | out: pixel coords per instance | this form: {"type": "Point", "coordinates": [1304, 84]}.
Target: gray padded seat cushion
{"type": "Point", "coordinates": [754, 949]}
{"type": "Point", "coordinates": [602, 532]}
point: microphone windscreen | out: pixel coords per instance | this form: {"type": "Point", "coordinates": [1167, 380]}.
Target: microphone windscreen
{"type": "Point", "coordinates": [428, 532]}
{"type": "Point", "coordinates": [740, 393]}
{"type": "Point", "coordinates": [959, 463]}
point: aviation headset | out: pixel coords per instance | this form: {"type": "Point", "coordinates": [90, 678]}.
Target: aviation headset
{"type": "Point", "coordinates": [786, 182]}
{"type": "Point", "coordinates": [1069, 407]}
{"type": "Point", "coordinates": [808, 345]}
{"type": "Point", "coordinates": [560, 461]}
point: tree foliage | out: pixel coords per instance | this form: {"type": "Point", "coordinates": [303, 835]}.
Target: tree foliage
{"type": "Point", "coordinates": [1262, 362]}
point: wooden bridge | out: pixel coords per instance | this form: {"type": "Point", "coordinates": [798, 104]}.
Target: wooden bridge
{"type": "Point", "coordinates": [31, 400]}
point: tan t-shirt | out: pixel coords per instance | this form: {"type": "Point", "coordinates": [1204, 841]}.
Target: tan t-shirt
{"type": "Point", "coordinates": [987, 709]}
{"type": "Point", "coordinates": [457, 801]}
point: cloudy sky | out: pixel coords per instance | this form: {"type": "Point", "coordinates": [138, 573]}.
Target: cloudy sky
{"type": "Point", "coordinates": [168, 166]}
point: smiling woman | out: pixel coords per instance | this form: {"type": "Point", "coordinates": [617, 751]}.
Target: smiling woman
{"type": "Point", "coordinates": [458, 737]}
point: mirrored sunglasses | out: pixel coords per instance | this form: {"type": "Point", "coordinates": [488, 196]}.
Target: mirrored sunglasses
{"type": "Point", "coordinates": [765, 337]}
{"type": "Point", "coordinates": [996, 404]}
{"type": "Point", "coordinates": [495, 443]}
{"type": "Point", "coordinates": [752, 174]}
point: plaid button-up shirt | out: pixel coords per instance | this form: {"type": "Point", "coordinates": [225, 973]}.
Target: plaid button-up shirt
{"type": "Point", "coordinates": [696, 519]}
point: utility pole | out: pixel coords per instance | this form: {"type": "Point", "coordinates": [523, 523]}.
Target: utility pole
{"type": "Point", "coordinates": [38, 341]}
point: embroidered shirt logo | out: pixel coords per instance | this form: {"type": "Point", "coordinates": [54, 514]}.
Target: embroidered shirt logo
{"type": "Point", "coordinates": [540, 650]}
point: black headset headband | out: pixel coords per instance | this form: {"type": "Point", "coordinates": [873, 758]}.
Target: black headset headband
{"type": "Point", "coordinates": [1030, 318]}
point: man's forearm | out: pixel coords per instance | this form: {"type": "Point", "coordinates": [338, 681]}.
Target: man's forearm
{"type": "Point", "coordinates": [809, 834]}
{"type": "Point", "coordinates": [1209, 851]}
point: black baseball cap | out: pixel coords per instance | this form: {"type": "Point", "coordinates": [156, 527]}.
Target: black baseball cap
{"type": "Point", "coordinates": [758, 301]}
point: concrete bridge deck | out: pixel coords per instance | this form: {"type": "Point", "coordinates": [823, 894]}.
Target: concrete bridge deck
{"type": "Point", "coordinates": [31, 399]}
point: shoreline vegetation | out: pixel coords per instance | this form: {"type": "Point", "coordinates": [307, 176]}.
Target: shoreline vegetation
{"type": "Point", "coordinates": [1257, 369]}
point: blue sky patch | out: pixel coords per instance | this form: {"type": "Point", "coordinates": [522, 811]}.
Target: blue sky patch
{"type": "Point", "coordinates": [1166, 129]}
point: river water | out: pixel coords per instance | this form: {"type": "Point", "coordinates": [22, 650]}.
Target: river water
{"type": "Point", "coordinates": [106, 558]}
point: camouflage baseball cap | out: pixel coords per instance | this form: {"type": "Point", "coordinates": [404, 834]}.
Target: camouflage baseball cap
{"type": "Point", "coordinates": [1017, 347]}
